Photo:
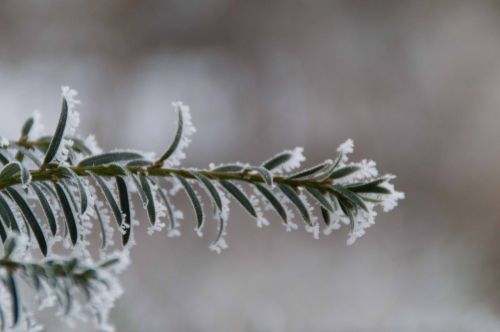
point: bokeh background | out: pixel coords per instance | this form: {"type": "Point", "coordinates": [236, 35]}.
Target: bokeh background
{"type": "Point", "coordinates": [415, 84]}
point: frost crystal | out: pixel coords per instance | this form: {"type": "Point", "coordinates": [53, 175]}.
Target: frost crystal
{"type": "Point", "coordinates": [363, 219]}
{"type": "Point", "coordinates": [344, 149]}
{"type": "Point", "coordinates": [37, 127]}
{"type": "Point", "coordinates": [290, 225]}
{"type": "Point", "coordinates": [391, 201]}
{"type": "Point", "coordinates": [261, 220]}
{"type": "Point", "coordinates": [314, 227]}
{"type": "Point", "coordinates": [173, 229]}
{"type": "Point", "coordinates": [3, 142]}
{"type": "Point", "coordinates": [220, 242]}
{"type": "Point", "coordinates": [187, 132]}
{"type": "Point", "coordinates": [294, 162]}
{"type": "Point", "coordinates": [367, 169]}
{"type": "Point", "coordinates": [91, 144]}
{"type": "Point", "coordinates": [71, 124]}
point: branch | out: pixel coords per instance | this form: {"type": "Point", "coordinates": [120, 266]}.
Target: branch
{"type": "Point", "coordinates": [245, 175]}
{"type": "Point", "coordinates": [69, 284]}
{"type": "Point", "coordinates": [77, 186]}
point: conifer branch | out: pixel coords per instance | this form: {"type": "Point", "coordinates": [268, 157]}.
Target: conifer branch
{"type": "Point", "coordinates": [77, 186]}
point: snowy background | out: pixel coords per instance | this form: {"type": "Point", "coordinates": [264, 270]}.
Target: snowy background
{"type": "Point", "coordinates": [415, 84]}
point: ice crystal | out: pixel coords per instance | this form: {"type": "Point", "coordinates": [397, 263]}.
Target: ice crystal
{"type": "Point", "coordinates": [390, 201]}
{"type": "Point", "coordinates": [91, 143]}
{"type": "Point", "coordinates": [71, 124]}
{"type": "Point", "coordinates": [295, 160]}
{"type": "Point", "coordinates": [37, 127]}
{"type": "Point", "coordinates": [3, 142]}
{"type": "Point", "coordinates": [344, 149]}
{"type": "Point", "coordinates": [188, 131]}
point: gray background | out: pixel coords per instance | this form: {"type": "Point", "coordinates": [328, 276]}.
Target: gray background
{"type": "Point", "coordinates": [415, 84]}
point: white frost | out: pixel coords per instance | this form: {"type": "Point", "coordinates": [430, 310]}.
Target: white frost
{"type": "Point", "coordinates": [91, 144]}
{"type": "Point", "coordinates": [314, 227]}
{"type": "Point", "coordinates": [367, 172]}
{"type": "Point", "coordinates": [220, 242]}
{"type": "Point", "coordinates": [297, 157]}
{"type": "Point", "coordinates": [187, 131]}
{"type": "Point", "coordinates": [362, 221]}
{"type": "Point", "coordinates": [346, 147]}
{"type": "Point", "coordinates": [3, 142]}
{"type": "Point", "coordinates": [261, 219]}
{"type": "Point", "coordinates": [391, 201]}
{"type": "Point", "coordinates": [72, 123]}
{"type": "Point", "coordinates": [37, 127]}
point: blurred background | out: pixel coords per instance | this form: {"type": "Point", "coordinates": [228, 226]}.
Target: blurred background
{"type": "Point", "coordinates": [415, 84]}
